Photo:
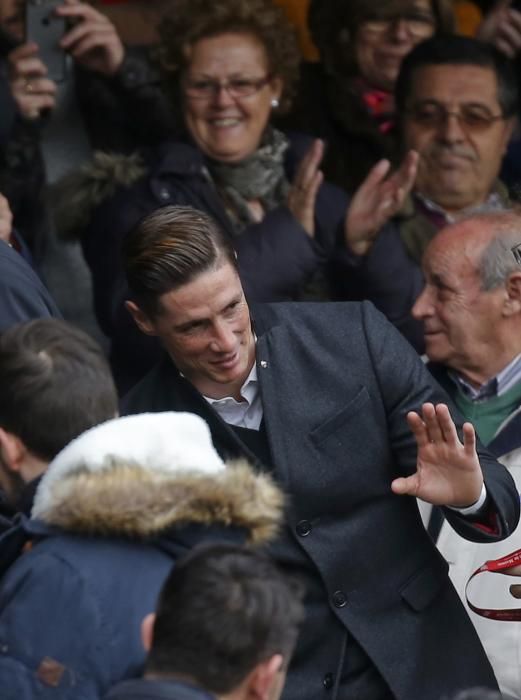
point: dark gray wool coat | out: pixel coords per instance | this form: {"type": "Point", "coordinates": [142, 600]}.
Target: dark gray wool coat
{"type": "Point", "coordinates": [337, 381]}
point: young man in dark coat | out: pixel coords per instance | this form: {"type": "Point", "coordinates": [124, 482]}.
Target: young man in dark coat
{"type": "Point", "coordinates": [320, 395]}
{"type": "Point", "coordinates": [235, 604]}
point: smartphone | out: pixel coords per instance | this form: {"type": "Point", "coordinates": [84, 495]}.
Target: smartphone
{"type": "Point", "coordinates": [46, 29]}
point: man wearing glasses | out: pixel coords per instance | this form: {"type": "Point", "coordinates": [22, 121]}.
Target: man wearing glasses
{"type": "Point", "coordinates": [456, 100]}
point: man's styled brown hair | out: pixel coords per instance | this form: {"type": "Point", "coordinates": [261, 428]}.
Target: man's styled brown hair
{"type": "Point", "coordinates": [55, 384]}
{"type": "Point", "coordinates": [168, 249]}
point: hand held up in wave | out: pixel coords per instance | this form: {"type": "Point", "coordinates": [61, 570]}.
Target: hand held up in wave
{"type": "Point", "coordinates": [447, 471]}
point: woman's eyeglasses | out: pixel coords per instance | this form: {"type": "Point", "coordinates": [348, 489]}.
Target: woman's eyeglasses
{"type": "Point", "coordinates": [417, 24]}
{"type": "Point", "coordinates": [235, 87]}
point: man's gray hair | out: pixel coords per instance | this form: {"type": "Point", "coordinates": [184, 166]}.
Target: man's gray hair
{"type": "Point", "coordinates": [502, 256]}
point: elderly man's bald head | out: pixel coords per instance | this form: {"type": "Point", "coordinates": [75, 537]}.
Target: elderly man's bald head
{"type": "Point", "coordinates": [471, 303]}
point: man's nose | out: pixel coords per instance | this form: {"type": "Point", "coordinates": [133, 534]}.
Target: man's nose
{"type": "Point", "coordinates": [224, 339]}
{"type": "Point", "coordinates": [450, 129]}
{"type": "Point", "coordinates": [423, 306]}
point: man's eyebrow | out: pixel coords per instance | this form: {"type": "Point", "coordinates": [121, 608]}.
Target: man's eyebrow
{"type": "Point", "coordinates": [437, 279]}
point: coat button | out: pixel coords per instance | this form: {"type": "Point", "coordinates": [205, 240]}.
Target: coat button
{"type": "Point", "coordinates": [303, 528]}
{"type": "Point", "coordinates": [328, 681]}
{"type": "Point", "coordinates": [164, 194]}
{"type": "Point", "coordinates": [339, 599]}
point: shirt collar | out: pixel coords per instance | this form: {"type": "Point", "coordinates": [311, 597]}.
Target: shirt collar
{"type": "Point", "coordinates": [496, 386]}
{"type": "Point", "coordinates": [493, 202]}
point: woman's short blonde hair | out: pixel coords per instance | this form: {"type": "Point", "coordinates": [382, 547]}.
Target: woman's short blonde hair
{"type": "Point", "coordinates": [192, 20]}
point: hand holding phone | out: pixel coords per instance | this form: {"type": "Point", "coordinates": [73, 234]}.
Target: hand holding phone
{"type": "Point", "coordinates": [92, 40]}
{"type": "Point", "coordinates": [32, 90]}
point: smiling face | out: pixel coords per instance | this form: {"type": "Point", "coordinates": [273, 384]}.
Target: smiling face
{"type": "Point", "coordinates": [381, 45]}
{"type": "Point", "coordinates": [458, 165]}
{"type": "Point", "coordinates": [224, 127]}
{"type": "Point", "coordinates": [205, 327]}
{"type": "Point", "coordinates": [461, 320]}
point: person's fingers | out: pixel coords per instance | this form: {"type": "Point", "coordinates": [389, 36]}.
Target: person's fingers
{"type": "Point", "coordinates": [311, 194]}
{"type": "Point", "coordinates": [511, 35]}
{"type": "Point", "coordinates": [32, 66]}
{"type": "Point", "coordinates": [514, 18]}
{"type": "Point", "coordinates": [91, 41]}
{"type": "Point", "coordinates": [30, 48]}
{"type": "Point", "coordinates": [36, 86]}
{"type": "Point", "coordinates": [431, 423]}
{"type": "Point", "coordinates": [406, 485]}
{"type": "Point", "coordinates": [376, 175]}
{"type": "Point", "coordinates": [469, 439]}
{"type": "Point", "coordinates": [403, 179]}
{"type": "Point", "coordinates": [81, 11]}
{"type": "Point", "coordinates": [505, 48]}
{"type": "Point", "coordinates": [32, 107]}
{"type": "Point", "coordinates": [84, 30]}
{"type": "Point", "coordinates": [448, 429]}
{"type": "Point", "coordinates": [309, 165]}
{"type": "Point", "coordinates": [418, 428]}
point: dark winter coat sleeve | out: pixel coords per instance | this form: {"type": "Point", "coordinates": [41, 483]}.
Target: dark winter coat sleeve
{"type": "Point", "coordinates": [22, 293]}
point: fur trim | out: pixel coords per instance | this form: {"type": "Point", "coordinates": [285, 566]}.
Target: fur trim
{"type": "Point", "coordinates": [129, 501]}
{"type": "Point", "coordinates": [76, 195]}
{"type": "Point", "coordinates": [169, 442]}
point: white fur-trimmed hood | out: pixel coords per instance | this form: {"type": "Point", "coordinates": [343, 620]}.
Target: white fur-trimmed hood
{"type": "Point", "coordinates": [140, 475]}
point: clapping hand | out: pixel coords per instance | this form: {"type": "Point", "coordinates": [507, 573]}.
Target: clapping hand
{"type": "Point", "coordinates": [377, 199]}
{"type": "Point", "coordinates": [6, 219]}
{"type": "Point", "coordinates": [304, 188]}
{"type": "Point", "coordinates": [502, 27]}
{"type": "Point", "coordinates": [448, 472]}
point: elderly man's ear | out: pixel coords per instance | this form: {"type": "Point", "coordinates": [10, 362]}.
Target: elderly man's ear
{"type": "Point", "coordinates": [512, 304]}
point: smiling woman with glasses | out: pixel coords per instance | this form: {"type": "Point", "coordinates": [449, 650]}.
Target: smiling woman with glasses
{"type": "Point", "coordinates": [347, 99]}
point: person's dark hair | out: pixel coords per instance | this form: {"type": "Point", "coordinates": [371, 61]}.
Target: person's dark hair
{"type": "Point", "coordinates": [459, 51]}
{"type": "Point", "coordinates": [333, 25]}
{"type": "Point", "coordinates": [169, 248]}
{"type": "Point", "coordinates": [55, 384]}
{"type": "Point", "coordinates": [223, 610]}
{"type": "Point", "coordinates": [192, 20]}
